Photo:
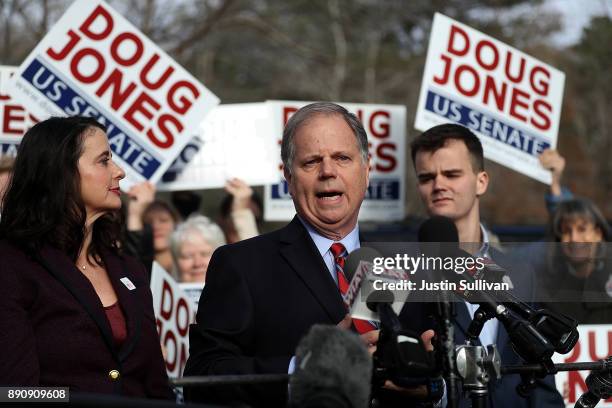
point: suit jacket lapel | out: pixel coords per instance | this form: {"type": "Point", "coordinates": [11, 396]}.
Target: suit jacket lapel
{"type": "Point", "coordinates": [127, 299]}
{"type": "Point", "coordinates": [302, 254]}
{"type": "Point", "coordinates": [62, 268]}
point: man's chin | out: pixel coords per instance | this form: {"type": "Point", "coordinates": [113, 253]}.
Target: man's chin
{"type": "Point", "coordinates": [442, 211]}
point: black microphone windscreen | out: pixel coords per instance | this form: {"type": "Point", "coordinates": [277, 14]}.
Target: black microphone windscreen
{"type": "Point", "coordinates": [331, 362]}
{"type": "Point", "coordinates": [438, 229]}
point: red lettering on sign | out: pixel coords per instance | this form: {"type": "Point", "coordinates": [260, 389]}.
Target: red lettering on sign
{"type": "Point", "coordinates": [287, 112]}
{"type": "Point", "coordinates": [182, 310]}
{"type": "Point", "coordinates": [446, 74]}
{"type": "Point", "coordinates": [386, 152]}
{"type": "Point", "coordinates": [460, 84]}
{"type": "Point", "coordinates": [78, 57]}
{"type": "Point", "coordinates": [106, 20]}
{"type": "Point", "coordinates": [184, 103]}
{"type": "Point", "coordinates": [141, 105]}
{"type": "Point", "coordinates": [113, 82]}
{"type": "Point", "coordinates": [574, 379]}
{"type": "Point", "coordinates": [593, 348]}
{"type": "Point", "coordinates": [138, 50]}
{"type": "Point", "coordinates": [383, 129]}
{"type": "Point", "coordinates": [12, 116]}
{"type": "Point", "coordinates": [167, 301]}
{"type": "Point", "coordinates": [538, 106]}
{"type": "Point", "coordinates": [519, 99]}
{"type": "Point", "coordinates": [455, 33]}
{"type": "Point", "coordinates": [170, 337]}
{"type": "Point", "coordinates": [499, 95]}
{"type": "Point", "coordinates": [60, 55]}
{"type": "Point", "coordinates": [479, 50]}
{"type": "Point", "coordinates": [162, 122]}
{"type": "Point", "coordinates": [518, 77]}
{"type": "Point", "coordinates": [540, 84]}
{"type": "Point", "coordinates": [147, 68]}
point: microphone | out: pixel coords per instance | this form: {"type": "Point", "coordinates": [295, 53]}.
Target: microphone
{"type": "Point", "coordinates": [559, 329]}
{"type": "Point", "coordinates": [364, 280]}
{"type": "Point", "coordinates": [333, 370]}
{"type": "Point", "coordinates": [401, 355]}
{"type": "Point", "coordinates": [599, 386]}
{"type": "Point", "coordinates": [440, 229]}
{"type": "Point", "coordinates": [363, 254]}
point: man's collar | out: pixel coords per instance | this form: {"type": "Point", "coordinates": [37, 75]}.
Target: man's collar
{"type": "Point", "coordinates": [484, 248]}
{"type": "Point", "coordinates": [350, 241]}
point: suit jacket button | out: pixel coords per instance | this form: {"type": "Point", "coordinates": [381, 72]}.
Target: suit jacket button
{"type": "Point", "coordinates": [114, 375]}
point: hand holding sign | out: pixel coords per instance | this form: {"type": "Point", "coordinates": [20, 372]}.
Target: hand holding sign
{"type": "Point", "coordinates": [551, 159]}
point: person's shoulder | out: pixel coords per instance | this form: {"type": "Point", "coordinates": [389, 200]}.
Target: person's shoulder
{"type": "Point", "coordinates": [10, 251]}
{"type": "Point", "coordinates": [267, 241]}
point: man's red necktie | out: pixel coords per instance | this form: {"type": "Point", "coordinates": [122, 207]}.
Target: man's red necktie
{"type": "Point", "coordinates": [339, 252]}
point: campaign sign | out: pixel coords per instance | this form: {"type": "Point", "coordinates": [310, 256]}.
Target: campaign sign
{"type": "Point", "coordinates": [237, 143]}
{"type": "Point", "coordinates": [193, 290]}
{"type": "Point", "coordinates": [14, 119]}
{"type": "Point", "coordinates": [509, 99]}
{"type": "Point", "coordinates": [386, 129]}
{"type": "Point", "coordinates": [94, 63]}
{"type": "Point", "coordinates": [595, 344]}
{"type": "Point", "coordinates": [174, 312]}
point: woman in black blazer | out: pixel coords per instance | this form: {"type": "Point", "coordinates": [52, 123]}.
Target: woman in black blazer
{"type": "Point", "coordinates": [73, 311]}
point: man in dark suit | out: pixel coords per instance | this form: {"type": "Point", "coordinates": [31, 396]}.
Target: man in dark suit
{"type": "Point", "coordinates": [263, 294]}
{"type": "Point", "coordinates": [449, 166]}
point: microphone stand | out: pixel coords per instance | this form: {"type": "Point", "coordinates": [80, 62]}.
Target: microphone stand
{"type": "Point", "coordinates": [449, 362]}
{"type": "Point", "coordinates": [599, 382]}
{"type": "Point", "coordinates": [476, 364]}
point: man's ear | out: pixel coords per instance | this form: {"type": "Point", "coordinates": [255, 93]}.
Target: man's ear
{"type": "Point", "coordinates": [482, 183]}
{"type": "Point", "coordinates": [287, 175]}
{"type": "Point", "coordinates": [368, 168]}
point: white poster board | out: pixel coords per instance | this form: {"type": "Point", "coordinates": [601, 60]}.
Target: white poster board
{"type": "Point", "coordinates": [509, 99]}
{"type": "Point", "coordinates": [595, 344]}
{"type": "Point", "coordinates": [15, 120]}
{"type": "Point", "coordinates": [93, 62]}
{"type": "Point", "coordinates": [174, 312]}
{"type": "Point", "coordinates": [386, 129]}
{"type": "Point", "coordinates": [235, 140]}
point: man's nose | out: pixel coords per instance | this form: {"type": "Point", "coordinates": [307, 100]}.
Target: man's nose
{"type": "Point", "coordinates": [438, 183]}
{"type": "Point", "coordinates": [327, 168]}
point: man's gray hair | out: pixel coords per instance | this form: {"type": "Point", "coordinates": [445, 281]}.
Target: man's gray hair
{"type": "Point", "coordinates": [306, 113]}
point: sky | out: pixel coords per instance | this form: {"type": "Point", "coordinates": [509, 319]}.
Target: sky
{"type": "Point", "coordinates": [576, 14]}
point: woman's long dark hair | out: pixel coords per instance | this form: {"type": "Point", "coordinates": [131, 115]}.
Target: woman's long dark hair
{"type": "Point", "coordinates": [43, 204]}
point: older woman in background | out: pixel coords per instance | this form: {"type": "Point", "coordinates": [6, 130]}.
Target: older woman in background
{"type": "Point", "coordinates": [73, 310]}
{"type": "Point", "coordinates": [577, 275]}
{"type": "Point", "coordinates": [193, 243]}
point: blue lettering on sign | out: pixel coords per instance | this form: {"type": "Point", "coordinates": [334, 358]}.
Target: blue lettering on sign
{"type": "Point", "coordinates": [61, 94]}
{"type": "Point", "coordinates": [8, 149]}
{"type": "Point", "coordinates": [486, 125]}
{"type": "Point", "coordinates": [379, 189]}
{"type": "Point", "coordinates": [183, 159]}
{"type": "Point", "coordinates": [383, 189]}
{"type": "Point", "coordinates": [280, 191]}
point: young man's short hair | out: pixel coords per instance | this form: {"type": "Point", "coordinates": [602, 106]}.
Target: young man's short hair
{"type": "Point", "coordinates": [436, 138]}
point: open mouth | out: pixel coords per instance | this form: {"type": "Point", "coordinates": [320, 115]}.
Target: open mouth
{"type": "Point", "coordinates": [329, 195]}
